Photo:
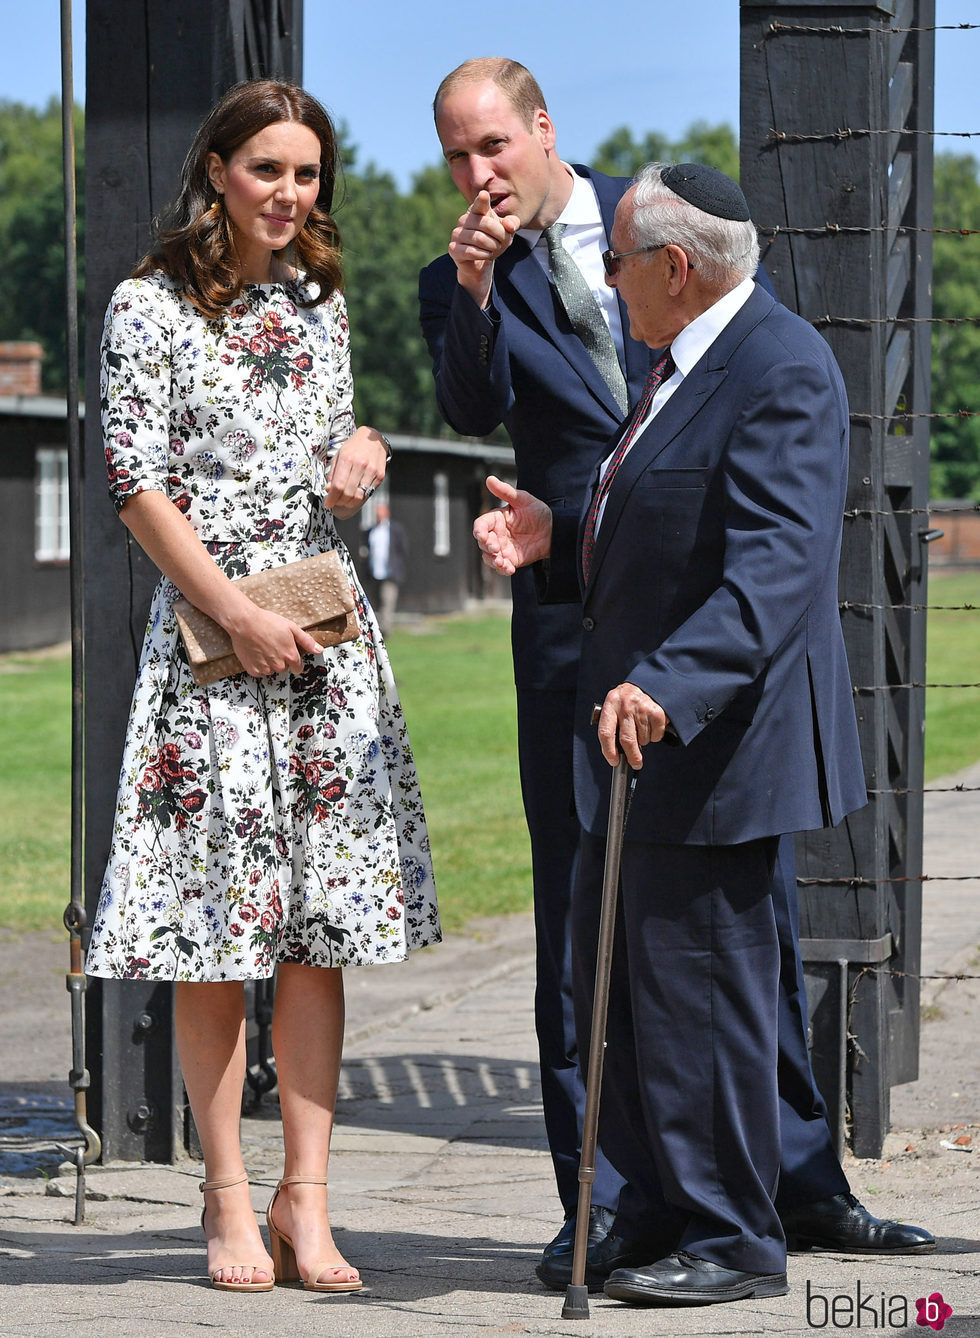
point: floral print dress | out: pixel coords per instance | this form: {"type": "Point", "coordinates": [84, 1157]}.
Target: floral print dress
{"type": "Point", "coordinates": [265, 819]}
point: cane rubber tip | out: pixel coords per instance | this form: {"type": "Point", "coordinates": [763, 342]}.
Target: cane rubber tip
{"type": "Point", "coordinates": [576, 1303]}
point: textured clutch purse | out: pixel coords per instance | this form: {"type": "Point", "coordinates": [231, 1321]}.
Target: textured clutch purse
{"type": "Point", "coordinates": [315, 593]}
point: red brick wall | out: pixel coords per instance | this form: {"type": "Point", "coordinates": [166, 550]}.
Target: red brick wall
{"type": "Point", "coordinates": [20, 368]}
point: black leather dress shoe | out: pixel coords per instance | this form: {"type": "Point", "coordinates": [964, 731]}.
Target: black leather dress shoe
{"type": "Point", "coordinates": [600, 1222]}
{"type": "Point", "coordinates": [843, 1225]}
{"type": "Point", "coordinates": [604, 1253]}
{"type": "Point", "coordinates": [684, 1279]}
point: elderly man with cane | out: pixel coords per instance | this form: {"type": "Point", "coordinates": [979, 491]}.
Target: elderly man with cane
{"type": "Point", "coordinates": [706, 562]}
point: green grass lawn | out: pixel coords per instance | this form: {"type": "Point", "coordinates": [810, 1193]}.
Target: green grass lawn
{"type": "Point", "coordinates": [953, 656]}
{"type": "Point", "coordinates": [457, 687]}
{"type": "Point", "coordinates": [35, 789]}
{"type": "Point", "coordinates": [455, 679]}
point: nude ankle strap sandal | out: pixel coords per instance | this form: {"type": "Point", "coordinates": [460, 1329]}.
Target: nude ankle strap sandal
{"type": "Point", "coordinates": [284, 1255]}
{"type": "Point", "coordinates": [222, 1286]}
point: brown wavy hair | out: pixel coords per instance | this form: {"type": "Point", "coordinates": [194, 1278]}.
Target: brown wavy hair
{"type": "Point", "coordinates": [194, 244]}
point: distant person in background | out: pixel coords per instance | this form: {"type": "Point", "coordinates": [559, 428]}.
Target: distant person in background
{"type": "Point", "coordinates": [387, 559]}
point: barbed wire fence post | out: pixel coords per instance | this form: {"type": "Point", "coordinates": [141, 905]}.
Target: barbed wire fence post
{"type": "Point", "coordinates": [837, 164]}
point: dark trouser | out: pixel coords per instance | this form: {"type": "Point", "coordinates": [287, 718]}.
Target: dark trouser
{"type": "Point", "coordinates": [809, 1166]}
{"type": "Point", "coordinates": [690, 1112]}
{"type": "Point", "coordinates": [545, 721]}
{"type": "Point", "coordinates": [810, 1169]}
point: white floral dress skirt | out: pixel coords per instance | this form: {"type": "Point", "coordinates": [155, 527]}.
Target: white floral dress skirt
{"type": "Point", "coordinates": [259, 820]}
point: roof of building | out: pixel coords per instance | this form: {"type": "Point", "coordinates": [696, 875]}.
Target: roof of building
{"type": "Point", "coordinates": [53, 406]}
{"type": "Point", "coordinates": [36, 406]}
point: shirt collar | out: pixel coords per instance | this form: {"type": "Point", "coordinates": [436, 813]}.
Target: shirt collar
{"type": "Point", "coordinates": [695, 339]}
{"type": "Point", "coordinates": [581, 209]}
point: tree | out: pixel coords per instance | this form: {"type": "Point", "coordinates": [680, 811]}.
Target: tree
{"type": "Point", "coordinates": [955, 442]}
{"type": "Point", "coordinates": [388, 237]}
{"type": "Point", "coordinates": [621, 155]}
{"type": "Point", "coordinates": [32, 233]}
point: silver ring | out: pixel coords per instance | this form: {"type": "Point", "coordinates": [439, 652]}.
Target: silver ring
{"type": "Point", "coordinates": [366, 491]}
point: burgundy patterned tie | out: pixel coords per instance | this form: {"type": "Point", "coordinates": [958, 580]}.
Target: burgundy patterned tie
{"type": "Point", "coordinates": [660, 372]}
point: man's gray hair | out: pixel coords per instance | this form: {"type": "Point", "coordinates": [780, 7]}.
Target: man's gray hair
{"type": "Point", "coordinates": [721, 250]}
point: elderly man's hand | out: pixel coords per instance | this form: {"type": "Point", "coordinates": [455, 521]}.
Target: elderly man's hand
{"type": "Point", "coordinates": [628, 721]}
{"type": "Point", "coordinates": [477, 240]}
{"type": "Point", "coordinates": [515, 534]}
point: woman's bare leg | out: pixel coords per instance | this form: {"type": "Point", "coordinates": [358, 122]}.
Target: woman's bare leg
{"type": "Point", "coordinates": [307, 1038]}
{"type": "Point", "coordinates": [211, 1043]}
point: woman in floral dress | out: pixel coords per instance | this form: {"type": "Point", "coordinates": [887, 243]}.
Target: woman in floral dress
{"type": "Point", "coordinates": [271, 820]}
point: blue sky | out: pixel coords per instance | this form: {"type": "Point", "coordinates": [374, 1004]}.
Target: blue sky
{"type": "Point", "coordinates": [375, 66]}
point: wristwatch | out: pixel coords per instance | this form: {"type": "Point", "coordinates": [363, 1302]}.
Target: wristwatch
{"type": "Point", "coordinates": [387, 444]}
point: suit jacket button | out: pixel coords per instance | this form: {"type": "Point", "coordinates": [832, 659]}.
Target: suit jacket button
{"type": "Point", "coordinates": [710, 713]}
{"type": "Point", "coordinates": [588, 624]}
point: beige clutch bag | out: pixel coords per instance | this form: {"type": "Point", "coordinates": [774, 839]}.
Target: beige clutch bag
{"type": "Point", "coordinates": [315, 593]}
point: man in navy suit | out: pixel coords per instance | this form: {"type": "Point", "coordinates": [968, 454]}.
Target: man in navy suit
{"type": "Point", "coordinates": [504, 350]}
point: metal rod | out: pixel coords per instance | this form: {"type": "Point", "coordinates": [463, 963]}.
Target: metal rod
{"type": "Point", "coordinates": [262, 1076]}
{"type": "Point", "coordinates": [577, 1294]}
{"type": "Point", "coordinates": [74, 916]}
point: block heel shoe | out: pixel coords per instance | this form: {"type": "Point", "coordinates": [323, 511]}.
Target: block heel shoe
{"type": "Point", "coordinates": [284, 1255]}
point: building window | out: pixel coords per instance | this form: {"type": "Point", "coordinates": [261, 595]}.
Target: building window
{"type": "Point", "coordinates": [440, 534]}
{"type": "Point", "coordinates": [51, 533]}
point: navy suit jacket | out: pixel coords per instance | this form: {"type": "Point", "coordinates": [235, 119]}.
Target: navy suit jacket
{"type": "Point", "coordinates": [713, 588]}
{"type": "Point", "coordinates": [519, 363]}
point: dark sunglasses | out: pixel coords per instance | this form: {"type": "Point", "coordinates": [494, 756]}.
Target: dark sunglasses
{"type": "Point", "coordinates": [611, 259]}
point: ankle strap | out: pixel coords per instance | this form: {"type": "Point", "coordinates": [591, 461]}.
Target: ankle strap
{"type": "Point", "coordinates": [302, 1180]}
{"type": "Point", "coordinates": [223, 1184]}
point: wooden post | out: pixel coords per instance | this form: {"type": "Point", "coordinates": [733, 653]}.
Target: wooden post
{"type": "Point", "coordinates": [152, 73]}
{"type": "Point", "coordinates": [838, 177]}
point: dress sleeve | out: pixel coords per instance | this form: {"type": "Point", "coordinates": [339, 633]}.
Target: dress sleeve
{"type": "Point", "coordinates": [342, 422]}
{"type": "Point", "coordinates": [136, 390]}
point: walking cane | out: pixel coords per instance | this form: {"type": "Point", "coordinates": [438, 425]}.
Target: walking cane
{"type": "Point", "coordinates": [577, 1293]}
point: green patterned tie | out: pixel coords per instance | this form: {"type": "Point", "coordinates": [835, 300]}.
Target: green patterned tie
{"type": "Point", "coordinates": [584, 314]}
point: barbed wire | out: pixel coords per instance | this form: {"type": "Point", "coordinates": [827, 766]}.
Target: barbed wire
{"type": "Point", "coordinates": [777, 29]}
{"type": "Point", "coordinates": [871, 969]}
{"type": "Point", "coordinates": [769, 234]}
{"type": "Point", "coordinates": [895, 687]}
{"type": "Point", "coordinates": [849, 604]}
{"type": "Point", "coordinates": [860, 132]}
{"type": "Point", "coordinates": [930, 789]}
{"type": "Point", "coordinates": [902, 414]}
{"type": "Point", "coordinates": [860, 322]}
{"type": "Point", "coordinates": [855, 512]}
{"type": "Point", "coordinates": [855, 880]}
{"type": "Point", "coordinates": [834, 229]}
